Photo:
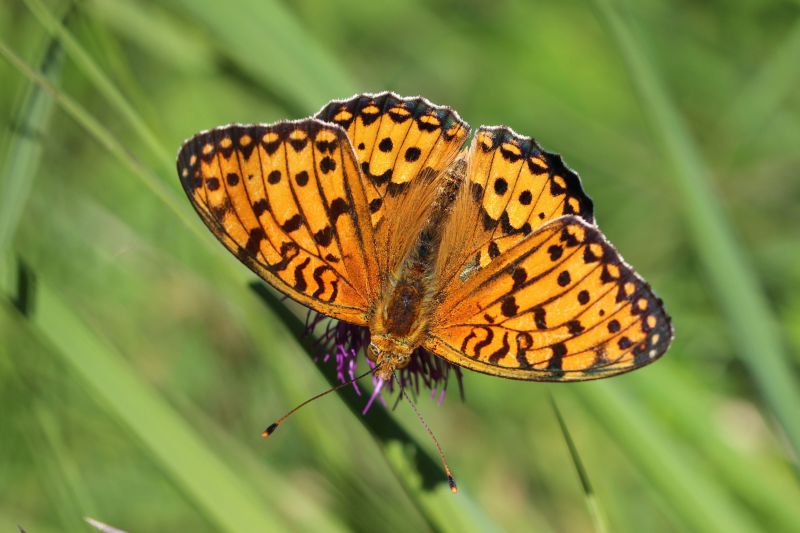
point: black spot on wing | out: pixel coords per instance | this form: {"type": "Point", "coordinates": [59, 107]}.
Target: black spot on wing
{"type": "Point", "coordinates": [539, 317]}
{"type": "Point", "coordinates": [479, 346]}
{"type": "Point", "coordinates": [287, 252]}
{"type": "Point", "coordinates": [298, 144]}
{"type": "Point", "coordinates": [254, 241]}
{"type": "Point", "coordinates": [554, 365]}
{"type": "Point", "coordinates": [219, 211]}
{"type": "Point", "coordinates": [488, 222]}
{"type": "Point", "coordinates": [337, 208]}
{"type": "Point", "coordinates": [573, 188]}
{"type": "Point", "coordinates": [326, 146]}
{"type": "Point", "coordinates": [260, 207]}
{"type": "Point", "coordinates": [327, 164]}
{"type": "Point", "coordinates": [501, 352]}
{"type": "Point", "coordinates": [509, 306]}
{"type": "Point", "coordinates": [575, 327]}
{"type": "Point", "coordinates": [524, 343]}
{"type": "Point", "coordinates": [334, 284]}
{"type": "Point", "coordinates": [301, 178]}
{"type": "Point", "coordinates": [412, 154]}
{"type": "Point", "coordinates": [385, 145]}
{"type": "Point", "coordinates": [342, 113]}
{"type": "Point", "coordinates": [377, 179]}
{"type": "Point", "coordinates": [324, 236]}
{"type": "Point", "coordinates": [300, 282]}
{"type": "Point", "coordinates": [293, 223]}
{"type": "Point", "coordinates": [519, 276]}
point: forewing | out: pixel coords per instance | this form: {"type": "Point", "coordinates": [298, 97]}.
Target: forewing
{"type": "Point", "coordinates": [288, 201]}
{"type": "Point", "coordinates": [397, 140]}
{"type": "Point", "coordinates": [560, 305]}
{"type": "Point", "coordinates": [519, 187]}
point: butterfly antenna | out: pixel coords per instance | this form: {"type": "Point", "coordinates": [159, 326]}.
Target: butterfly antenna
{"type": "Point", "coordinates": [272, 427]}
{"type": "Point", "coordinates": [450, 479]}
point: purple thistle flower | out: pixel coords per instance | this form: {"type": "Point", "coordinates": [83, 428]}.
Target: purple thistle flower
{"type": "Point", "coordinates": [342, 342]}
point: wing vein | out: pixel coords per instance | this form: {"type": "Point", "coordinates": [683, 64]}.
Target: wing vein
{"type": "Point", "coordinates": [224, 183]}
{"type": "Point", "coordinates": [250, 200]}
{"type": "Point", "coordinates": [290, 182]}
{"type": "Point", "coordinates": [354, 219]}
{"type": "Point", "coordinates": [269, 203]}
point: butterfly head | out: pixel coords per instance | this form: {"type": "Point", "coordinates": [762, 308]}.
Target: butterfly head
{"type": "Point", "coordinates": [389, 355]}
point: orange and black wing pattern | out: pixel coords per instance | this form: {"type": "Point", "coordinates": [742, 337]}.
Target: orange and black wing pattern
{"type": "Point", "coordinates": [396, 140]}
{"type": "Point", "coordinates": [560, 305]}
{"type": "Point", "coordinates": [519, 187]}
{"type": "Point", "coordinates": [287, 199]}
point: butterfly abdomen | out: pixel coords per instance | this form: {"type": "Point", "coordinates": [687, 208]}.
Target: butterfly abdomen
{"type": "Point", "coordinates": [403, 310]}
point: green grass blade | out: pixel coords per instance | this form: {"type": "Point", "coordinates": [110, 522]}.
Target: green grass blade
{"type": "Point", "coordinates": [750, 319]}
{"type": "Point", "coordinates": [696, 498]}
{"type": "Point", "coordinates": [595, 511]}
{"type": "Point", "coordinates": [762, 485]}
{"type": "Point", "coordinates": [63, 469]}
{"type": "Point", "coordinates": [106, 139]}
{"type": "Point", "coordinates": [265, 39]}
{"type": "Point", "coordinates": [180, 451]}
{"type": "Point", "coordinates": [58, 480]}
{"type": "Point", "coordinates": [25, 147]}
{"type": "Point", "coordinates": [149, 27]}
{"type": "Point", "coordinates": [775, 82]}
{"type": "Point", "coordinates": [306, 514]}
{"type": "Point", "coordinates": [104, 85]}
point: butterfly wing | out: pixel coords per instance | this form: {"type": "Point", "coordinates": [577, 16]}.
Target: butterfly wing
{"type": "Point", "coordinates": [560, 305]}
{"type": "Point", "coordinates": [537, 292]}
{"type": "Point", "coordinates": [397, 140]}
{"type": "Point", "coordinates": [287, 199]}
{"type": "Point", "coordinates": [519, 187]}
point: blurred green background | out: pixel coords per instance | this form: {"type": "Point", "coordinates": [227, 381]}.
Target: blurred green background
{"type": "Point", "coordinates": [137, 368]}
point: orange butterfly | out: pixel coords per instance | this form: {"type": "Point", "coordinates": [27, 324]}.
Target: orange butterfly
{"type": "Point", "coordinates": [370, 212]}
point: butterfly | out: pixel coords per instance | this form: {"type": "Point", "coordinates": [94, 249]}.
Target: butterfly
{"type": "Point", "coordinates": [377, 211]}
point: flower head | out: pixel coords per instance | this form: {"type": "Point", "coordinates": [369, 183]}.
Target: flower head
{"type": "Point", "coordinates": [342, 342]}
